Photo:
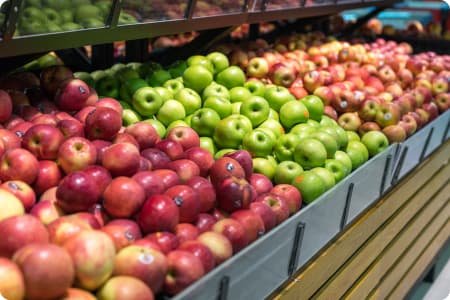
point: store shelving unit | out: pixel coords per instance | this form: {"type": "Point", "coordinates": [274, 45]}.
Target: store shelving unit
{"type": "Point", "coordinates": [276, 259]}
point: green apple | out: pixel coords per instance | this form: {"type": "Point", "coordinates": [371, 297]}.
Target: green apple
{"type": "Point", "coordinates": [188, 119]}
{"type": "Point", "coordinates": [138, 67]}
{"type": "Point", "coordinates": [197, 78]}
{"type": "Point", "coordinates": [313, 123]}
{"type": "Point", "coordinates": [310, 153]}
{"type": "Point", "coordinates": [231, 77]}
{"type": "Point", "coordinates": [177, 123]}
{"type": "Point", "coordinates": [126, 18]}
{"type": "Point", "coordinates": [86, 12]}
{"type": "Point", "coordinates": [221, 105]}
{"type": "Point", "coordinates": [236, 108]}
{"type": "Point", "coordinates": [116, 68]}
{"type": "Point", "coordinates": [352, 136]}
{"type": "Point", "coordinates": [273, 126]}
{"type": "Point", "coordinates": [303, 129]}
{"type": "Point", "coordinates": [129, 117]}
{"type": "Point", "coordinates": [177, 68]}
{"type": "Point", "coordinates": [216, 90]}
{"type": "Point", "coordinates": [174, 85]}
{"type": "Point", "coordinates": [328, 141]}
{"type": "Point", "coordinates": [222, 152]}
{"type": "Point", "coordinates": [264, 166]}
{"type": "Point", "coordinates": [70, 26]}
{"type": "Point", "coordinates": [310, 186]}
{"type": "Point", "coordinates": [375, 142]}
{"type": "Point", "coordinates": [146, 101]}
{"type": "Point", "coordinates": [256, 87]}
{"type": "Point", "coordinates": [165, 93]}
{"type": "Point", "coordinates": [258, 143]}
{"type": "Point", "coordinates": [285, 146]}
{"type": "Point", "coordinates": [286, 171]}
{"type": "Point", "coordinates": [52, 27]}
{"type": "Point", "coordinates": [57, 4]}
{"type": "Point", "coordinates": [314, 105]}
{"type": "Point", "coordinates": [326, 175]}
{"type": "Point", "coordinates": [98, 74]}
{"type": "Point", "coordinates": [273, 115]}
{"type": "Point", "coordinates": [86, 77]}
{"type": "Point", "coordinates": [277, 96]}
{"type": "Point", "coordinates": [200, 60]}
{"type": "Point", "coordinates": [256, 109]}
{"type": "Point", "coordinates": [331, 130]}
{"type": "Point", "coordinates": [345, 159]}
{"type": "Point", "coordinates": [107, 86]}
{"type": "Point", "coordinates": [270, 133]}
{"type": "Point", "coordinates": [52, 15]}
{"type": "Point", "coordinates": [337, 168]}
{"type": "Point", "coordinates": [342, 137]}
{"type": "Point", "coordinates": [293, 112]}
{"type": "Point", "coordinates": [125, 105]}
{"type": "Point", "coordinates": [170, 111]}
{"type": "Point", "coordinates": [207, 143]}
{"type": "Point", "coordinates": [204, 121]}
{"type": "Point", "coordinates": [159, 127]}
{"type": "Point", "coordinates": [190, 99]}
{"type": "Point", "coordinates": [239, 94]}
{"type": "Point", "coordinates": [126, 74]}
{"type": "Point", "coordinates": [327, 121]}
{"type": "Point", "coordinates": [104, 6]}
{"type": "Point", "coordinates": [219, 61]}
{"type": "Point", "coordinates": [158, 77]}
{"type": "Point", "coordinates": [129, 87]}
{"type": "Point", "coordinates": [35, 3]}
{"type": "Point", "coordinates": [358, 153]}
{"type": "Point", "coordinates": [230, 131]}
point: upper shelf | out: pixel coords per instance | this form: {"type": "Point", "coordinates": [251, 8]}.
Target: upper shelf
{"type": "Point", "coordinates": [32, 26]}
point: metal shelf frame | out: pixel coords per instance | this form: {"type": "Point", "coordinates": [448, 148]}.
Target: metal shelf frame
{"type": "Point", "coordinates": [20, 45]}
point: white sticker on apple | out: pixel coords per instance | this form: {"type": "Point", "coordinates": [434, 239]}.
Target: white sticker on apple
{"type": "Point", "coordinates": [146, 258]}
{"type": "Point", "coordinates": [344, 104]}
{"type": "Point", "coordinates": [387, 116]}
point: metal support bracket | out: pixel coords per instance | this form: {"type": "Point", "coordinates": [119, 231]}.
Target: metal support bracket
{"type": "Point", "coordinates": [399, 165]}
{"type": "Point", "coordinates": [348, 201]}
{"type": "Point", "coordinates": [113, 17]}
{"type": "Point", "coordinates": [295, 253]}
{"type": "Point", "coordinates": [189, 13]}
{"type": "Point", "coordinates": [9, 26]}
{"type": "Point", "coordinates": [385, 173]}
{"type": "Point", "coordinates": [75, 57]}
{"type": "Point", "coordinates": [223, 288]}
{"type": "Point", "coordinates": [444, 137]}
{"type": "Point", "coordinates": [425, 146]}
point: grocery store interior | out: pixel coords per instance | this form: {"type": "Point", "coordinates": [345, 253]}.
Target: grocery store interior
{"type": "Point", "coordinates": [224, 149]}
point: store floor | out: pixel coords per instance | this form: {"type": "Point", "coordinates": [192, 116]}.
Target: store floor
{"type": "Point", "coordinates": [439, 288]}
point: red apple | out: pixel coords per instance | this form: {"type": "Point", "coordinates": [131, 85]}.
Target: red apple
{"type": "Point", "coordinates": [244, 158]}
{"type": "Point", "coordinates": [233, 194]}
{"type": "Point", "coordinates": [19, 164]}
{"type": "Point", "coordinates": [51, 77]}
{"type": "Point", "coordinates": [388, 114]}
{"type": "Point", "coordinates": [144, 133]}
{"type": "Point", "coordinates": [82, 114]}
{"type": "Point", "coordinates": [123, 137]}
{"type": "Point", "coordinates": [202, 252]}
{"type": "Point", "coordinates": [205, 222]}
{"type": "Point", "coordinates": [70, 128]}
{"type": "Point", "coordinates": [186, 232]}
{"type": "Point", "coordinates": [185, 168]}
{"type": "Point", "coordinates": [159, 213]}
{"type": "Point", "coordinates": [22, 191]}
{"type": "Point", "coordinates": [77, 192]}
{"type": "Point", "coordinates": [123, 232]}
{"type": "Point", "coordinates": [169, 177]}
{"type": "Point", "coordinates": [186, 198]}
{"type": "Point", "coordinates": [183, 269]}
{"type": "Point", "coordinates": [47, 270]}
{"type": "Point", "coordinates": [12, 285]}
{"type": "Point", "coordinates": [121, 159]}
{"type": "Point", "coordinates": [409, 124]}
{"type": "Point", "coordinates": [252, 223]}
{"type": "Point", "coordinates": [92, 253]}
{"type": "Point", "coordinates": [368, 126]}
{"type": "Point", "coordinates": [395, 133]}
{"type": "Point", "coordinates": [110, 103]}
{"type": "Point", "coordinates": [76, 153]}
{"type": "Point", "coordinates": [277, 203]}
{"type": "Point", "coordinates": [167, 241]}
{"type": "Point", "coordinates": [19, 231]}
{"type": "Point", "coordinates": [261, 183]}
{"type": "Point", "coordinates": [123, 197]}
{"type": "Point", "coordinates": [102, 123]}
{"type": "Point", "coordinates": [46, 211]}
{"type": "Point", "coordinates": [184, 135]}
{"type": "Point", "coordinates": [150, 182]}
{"type": "Point", "coordinates": [233, 231]}
{"type": "Point", "coordinates": [6, 106]}
{"type": "Point", "coordinates": [225, 167]}
{"type": "Point", "coordinates": [10, 139]}
{"type": "Point", "coordinates": [173, 149]}
{"type": "Point", "coordinates": [442, 100]}
{"type": "Point", "coordinates": [72, 94]}
{"type": "Point", "coordinates": [146, 243]}
{"type": "Point", "coordinates": [291, 194]}
{"type": "Point", "coordinates": [266, 213]}
{"type": "Point", "coordinates": [65, 227]}
{"type": "Point", "coordinates": [158, 158]}
{"type": "Point", "coordinates": [99, 175]}
{"type": "Point", "coordinates": [202, 157]}
{"type": "Point", "coordinates": [43, 141]}
{"type": "Point", "coordinates": [205, 191]}
{"type": "Point", "coordinates": [125, 287]}
{"type": "Point", "coordinates": [90, 218]}
{"type": "Point", "coordinates": [432, 109]}
{"type": "Point", "coordinates": [219, 245]}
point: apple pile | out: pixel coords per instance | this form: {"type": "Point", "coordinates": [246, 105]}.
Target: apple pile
{"type": "Point", "coordinates": [90, 207]}
{"type": "Point", "coordinates": [65, 15]}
